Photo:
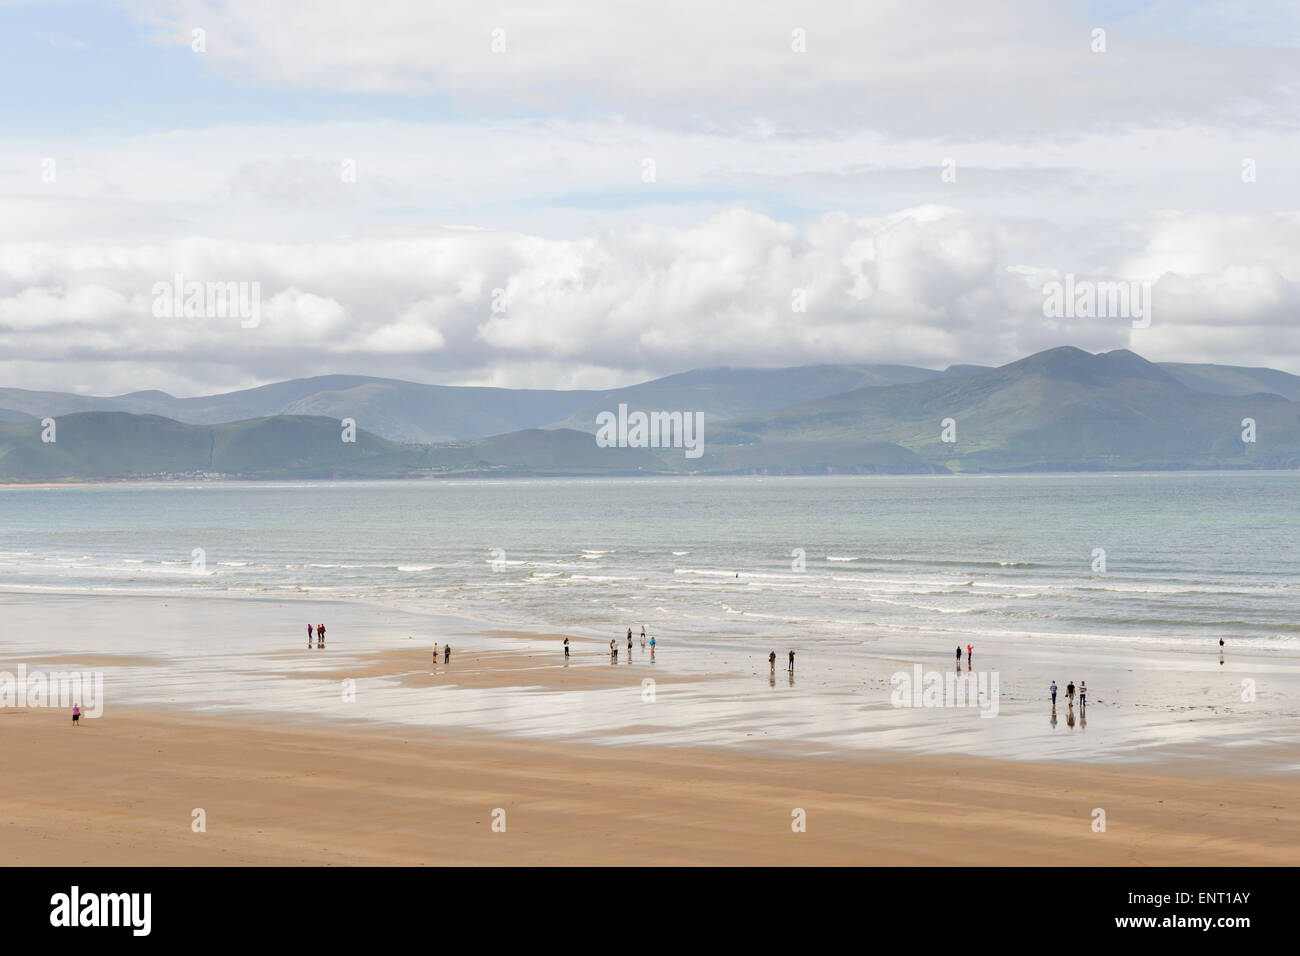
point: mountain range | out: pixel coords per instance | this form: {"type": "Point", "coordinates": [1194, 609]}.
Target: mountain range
{"type": "Point", "coordinates": [1063, 409]}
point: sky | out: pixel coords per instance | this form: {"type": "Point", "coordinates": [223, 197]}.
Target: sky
{"type": "Point", "coordinates": [593, 194]}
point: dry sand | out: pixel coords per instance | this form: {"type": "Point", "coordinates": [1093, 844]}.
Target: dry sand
{"type": "Point", "coordinates": [121, 790]}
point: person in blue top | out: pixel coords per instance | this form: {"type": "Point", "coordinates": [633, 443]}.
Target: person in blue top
{"type": "Point", "coordinates": [1053, 690]}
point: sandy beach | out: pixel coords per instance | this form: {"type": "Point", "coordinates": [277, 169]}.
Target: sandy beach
{"type": "Point", "coordinates": [366, 751]}
{"type": "Point", "coordinates": [122, 790]}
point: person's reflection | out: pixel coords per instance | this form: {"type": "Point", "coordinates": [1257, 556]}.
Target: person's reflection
{"type": "Point", "coordinates": [1069, 716]}
{"type": "Point", "coordinates": [791, 678]}
{"type": "Point", "coordinates": [1053, 717]}
{"type": "Point", "coordinates": [1083, 717]}
{"type": "Point", "coordinates": [771, 679]}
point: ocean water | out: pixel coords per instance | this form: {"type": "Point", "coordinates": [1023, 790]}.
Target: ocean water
{"type": "Point", "coordinates": [1189, 557]}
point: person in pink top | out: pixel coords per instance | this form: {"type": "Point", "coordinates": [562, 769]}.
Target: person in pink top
{"type": "Point", "coordinates": [76, 715]}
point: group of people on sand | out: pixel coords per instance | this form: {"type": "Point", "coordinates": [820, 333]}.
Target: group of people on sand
{"type": "Point", "coordinates": [613, 646]}
{"type": "Point", "coordinates": [771, 661]}
{"type": "Point", "coordinates": [970, 654]}
{"type": "Point", "coordinates": [320, 635]}
{"type": "Point", "coordinates": [446, 653]}
{"type": "Point", "coordinates": [1070, 692]}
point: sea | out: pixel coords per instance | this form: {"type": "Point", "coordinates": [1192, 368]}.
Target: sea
{"type": "Point", "coordinates": [1172, 559]}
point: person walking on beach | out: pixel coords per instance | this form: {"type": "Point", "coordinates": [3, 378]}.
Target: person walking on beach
{"type": "Point", "coordinates": [1083, 693]}
{"type": "Point", "coordinates": [309, 630]}
{"type": "Point", "coordinates": [959, 654]}
{"type": "Point", "coordinates": [566, 648]}
{"type": "Point", "coordinates": [643, 637]}
{"type": "Point", "coordinates": [76, 715]}
{"type": "Point", "coordinates": [446, 653]}
{"type": "Point", "coordinates": [1053, 690]}
{"type": "Point", "coordinates": [629, 643]}
{"type": "Point", "coordinates": [652, 649]}
{"type": "Point", "coordinates": [435, 652]}
{"type": "Point", "coordinates": [970, 653]}
{"type": "Point", "coordinates": [792, 660]}
{"type": "Point", "coordinates": [1069, 692]}
{"type": "Point", "coordinates": [771, 659]}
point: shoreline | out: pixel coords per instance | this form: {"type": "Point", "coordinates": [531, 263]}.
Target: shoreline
{"type": "Point", "coordinates": [237, 656]}
{"type": "Point", "coordinates": [1109, 472]}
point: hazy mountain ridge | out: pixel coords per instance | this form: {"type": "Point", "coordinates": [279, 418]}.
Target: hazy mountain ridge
{"type": "Point", "coordinates": [1062, 409]}
{"type": "Point", "coordinates": [724, 393]}
{"type": "Point", "coordinates": [414, 412]}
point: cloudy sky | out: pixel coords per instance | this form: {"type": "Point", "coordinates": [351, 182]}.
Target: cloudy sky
{"type": "Point", "coordinates": [590, 194]}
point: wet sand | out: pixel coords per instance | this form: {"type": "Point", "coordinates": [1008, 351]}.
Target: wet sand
{"type": "Point", "coordinates": [540, 667]}
{"type": "Point", "coordinates": [122, 790]}
{"type": "Point", "coordinates": [246, 656]}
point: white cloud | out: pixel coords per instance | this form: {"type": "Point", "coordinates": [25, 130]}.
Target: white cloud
{"type": "Point", "coordinates": [928, 286]}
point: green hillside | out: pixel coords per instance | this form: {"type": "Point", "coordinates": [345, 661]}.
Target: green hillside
{"type": "Point", "coordinates": [1063, 409]}
{"type": "Point", "coordinates": [114, 445]}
